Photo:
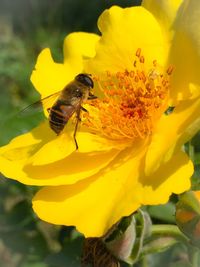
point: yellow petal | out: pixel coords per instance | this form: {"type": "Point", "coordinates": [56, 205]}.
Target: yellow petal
{"type": "Point", "coordinates": [123, 32]}
{"type": "Point", "coordinates": [40, 146]}
{"type": "Point", "coordinates": [88, 142]}
{"type": "Point", "coordinates": [49, 76]}
{"type": "Point", "coordinates": [62, 146]}
{"type": "Point", "coordinates": [180, 23]}
{"type": "Point", "coordinates": [73, 168]}
{"type": "Point", "coordinates": [172, 132]}
{"type": "Point", "coordinates": [19, 162]}
{"type": "Point", "coordinates": [165, 12]}
{"type": "Point", "coordinates": [172, 177]}
{"type": "Point", "coordinates": [79, 46]}
{"type": "Point", "coordinates": [56, 149]}
{"type": "Point", "coordinates": [95, 204]}
{"type": "Point", "coordinates": [185, 52]}
{"type": "Point", "coordinates": [25, 145]}
{"type": "Point", "coordinates": [68, 171]}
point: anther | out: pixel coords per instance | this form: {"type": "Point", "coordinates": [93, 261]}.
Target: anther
{"type": "Point", "coordinates": [136, 79]}
{"type": "Point", "coordinates": [138, 52]}
{"type": "Point", "coordinates": [154, 63]}
{"type": "Point", "coordinates": [108, 73]}
{"type": "Point", "coordinates": [170, 70]}
{"type": "Point", "coordinates": [132, 73]}
{"type": "Point", "coordinates": [133, 101]}
{"type": "Point", "coordinates": [142, 59]}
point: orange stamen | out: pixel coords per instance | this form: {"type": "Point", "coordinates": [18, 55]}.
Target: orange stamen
{"type": "Point", "coordinates": [133, 101]}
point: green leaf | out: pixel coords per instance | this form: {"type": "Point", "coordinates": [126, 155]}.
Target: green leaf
{"type": "Point", "coordinates": [143, 226]}
{"type": "Point", "coordinates": [165, 213]}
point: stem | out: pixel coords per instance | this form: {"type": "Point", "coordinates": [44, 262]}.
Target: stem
{"type": "Point", "coordinates": [194, 256]}
{"type": "Point", "coordinates": [191, 151]}
{"type": "Point", "coordinates": [144, 262]}
{"type": "Point", "coordinates": [169, 230]}
{"type": "Point", "coordinates": [173, 230]}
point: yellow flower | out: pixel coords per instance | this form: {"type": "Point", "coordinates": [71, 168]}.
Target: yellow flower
{"type": "Point", "coordinates": [130, 151]}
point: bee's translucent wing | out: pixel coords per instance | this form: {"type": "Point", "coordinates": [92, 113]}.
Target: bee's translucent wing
{"type": "Point", "coordinates": [22, 121]}
{"type": "Point", "coordinates": [39, 105]}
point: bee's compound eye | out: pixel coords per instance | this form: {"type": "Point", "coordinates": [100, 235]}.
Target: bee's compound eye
{"type": "Point", "coordinates": [85, 79]}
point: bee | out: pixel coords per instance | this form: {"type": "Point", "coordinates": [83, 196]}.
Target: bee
{"type": "Point", "coordinates": [69, 101]}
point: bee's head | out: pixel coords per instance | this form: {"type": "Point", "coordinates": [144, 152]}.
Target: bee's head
{"type": "Point", "coordinates": [85, 79]}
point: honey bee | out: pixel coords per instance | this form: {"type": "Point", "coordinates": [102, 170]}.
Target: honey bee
{"type": "Point", "coordinates": [69, 101]}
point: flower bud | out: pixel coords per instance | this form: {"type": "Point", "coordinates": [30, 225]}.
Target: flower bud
{"type": "Point", "coordinates": [125, 239]}
{"type": "Point", "coordinates": [188, 215]}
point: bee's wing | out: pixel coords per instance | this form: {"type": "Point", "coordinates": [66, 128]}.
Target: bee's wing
{"type": "Point", "coordinates": [38, 106]}
{"type": "Point", "coordinates": [22, 121]}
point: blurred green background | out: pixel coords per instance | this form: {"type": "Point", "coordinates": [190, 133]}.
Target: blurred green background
{"type": "Point", "coordinates": [26, 27]}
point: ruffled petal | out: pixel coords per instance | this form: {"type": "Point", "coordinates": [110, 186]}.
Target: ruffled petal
{"type": "Point", "coordinates": [185, 53]}
{"type": "Point", "coordinates": [179, 21]}
{"type": "Point", "coordinates": [165, 12]}
{"type": "Point", "coordinates": [123, 32]}
{"type": "Point", "coordinates": [96, 203]}
{"type": "Point", "coordinates": [171, 133]}
{"type": "Point", "coordinates": [172, 177]}
{"type": "Point", "coordinates": [75, 167]}
{"type": "Point", "coordinates": [79, 46]}
{"type": "Point", "coordinates": [50, 77]}
{"type": "Point", "coordinates": [40, 157]}
{"type": "Point", "coordinates": [25, 145]}
{"type": "Point", "coordinates": [40, 146]}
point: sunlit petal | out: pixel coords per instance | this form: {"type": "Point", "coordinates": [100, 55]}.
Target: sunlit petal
{"type": "Point", "coordinates": [171, 133]}
{"type": "Point", "coordinates": [94, 204]}
{"type": "Point", "coordinates": [116, 49]}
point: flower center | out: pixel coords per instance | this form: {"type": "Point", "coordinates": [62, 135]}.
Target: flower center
{"type": "Point", "coordinates": [132, 101]}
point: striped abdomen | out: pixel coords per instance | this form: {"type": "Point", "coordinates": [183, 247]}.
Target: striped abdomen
{"type": "Point", "coordinates": [59, 115]}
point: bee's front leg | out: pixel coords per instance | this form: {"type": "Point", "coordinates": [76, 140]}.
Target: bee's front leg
{"type": "Point", "coordinates": [76, 126]}
{"type": "Point", "coordinates": [84, 109]}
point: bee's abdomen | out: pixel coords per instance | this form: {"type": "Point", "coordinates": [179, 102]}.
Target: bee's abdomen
{"type": "Point", "coordinates": [59, 115]}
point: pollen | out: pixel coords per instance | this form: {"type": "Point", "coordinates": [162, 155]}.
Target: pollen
{"type": "Point", "coordinates": [133, 101]}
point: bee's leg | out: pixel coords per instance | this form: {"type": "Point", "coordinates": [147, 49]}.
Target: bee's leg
{"type": "Point", "coordinates": [84, 109]}
{"type": "Point", "coordinates": [76, 126]}
{"type": "Point", "coordinates": [91, 96]}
